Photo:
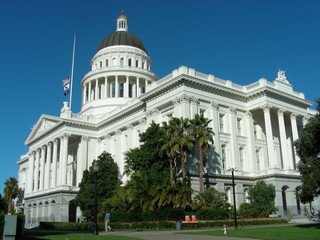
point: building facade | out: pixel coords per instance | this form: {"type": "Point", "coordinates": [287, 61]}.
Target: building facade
{"type": "Point", "coordinates": [254, 125]}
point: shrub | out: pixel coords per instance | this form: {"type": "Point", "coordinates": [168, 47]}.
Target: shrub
{"type": "Point", "coordinates": [211, 214]}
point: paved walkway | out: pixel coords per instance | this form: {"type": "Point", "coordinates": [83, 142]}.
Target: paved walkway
{"type": "Point", "coordinates": [169, 235]}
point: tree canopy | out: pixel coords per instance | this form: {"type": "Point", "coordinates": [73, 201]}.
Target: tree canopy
{"type": "Point", "coordinates": [262, 200]}
{"type": "Point", "coordinates": [108, 179]}
{"type": "Point", "coordinates": [308, 149]}
{"type": "Point", "coordinates": [10, 192]}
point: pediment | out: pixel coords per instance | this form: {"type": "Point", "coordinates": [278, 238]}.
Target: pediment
{"type": "Point", "coordinates": [44, 124]}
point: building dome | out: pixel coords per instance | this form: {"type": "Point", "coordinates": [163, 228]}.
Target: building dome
{"type": "Point", "coordinates": [121, 38]}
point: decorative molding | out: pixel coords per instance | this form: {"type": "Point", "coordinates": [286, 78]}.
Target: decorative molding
{"type": "Point", "coordinates": [142, 121]}
{"type": "Point", "coordinates": [282, 76]}
{"type": "Point", "coordinates": [248, 114]}
{"type": "Point", "coordinates": [184, 98]}
{"type": "Point", "coordinates": [152, 112]}
{"type": "Point", "coordinates": [119, 132]}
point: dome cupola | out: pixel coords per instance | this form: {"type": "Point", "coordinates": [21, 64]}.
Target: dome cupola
{"type": "Point", "coordinates": [122, 36]}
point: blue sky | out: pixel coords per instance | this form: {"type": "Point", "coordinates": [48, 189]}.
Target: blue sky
{"type": "Point", "coordinates": [237, 40]}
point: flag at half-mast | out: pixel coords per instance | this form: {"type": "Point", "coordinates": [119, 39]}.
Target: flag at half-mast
{"type": "Point", "coordinates": [66, 86]}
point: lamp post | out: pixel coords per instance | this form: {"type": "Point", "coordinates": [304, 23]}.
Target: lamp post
{"type": "Point", "coordinates": [234, 198]}
{"type": "Point", "coordinates": [95, 169]}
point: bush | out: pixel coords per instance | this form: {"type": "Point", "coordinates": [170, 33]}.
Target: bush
{"type": "Point", "coordinates": [246, 210]}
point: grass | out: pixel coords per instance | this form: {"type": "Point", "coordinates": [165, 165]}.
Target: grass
{"type": "Point", "coordinates": [71, 236]}
{"type": "Point", "coordinates": [305, 232]}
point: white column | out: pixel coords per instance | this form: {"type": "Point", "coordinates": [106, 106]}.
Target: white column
{"type": "Point", "coordinates": [84, 94]}
{"type": "Point", "coordinates": [96, 94]}
{"type": "Point", "coordinates": [63, 161]}
{"type": "Point", "coordinates": [30, 177]}
{"type": "Point", "coordinates": [234, 141]}
{"type": "Point", "coordinates": [116, 87]}
{"type": "Point", "coordinates": [54, 163]}
{"type": "Point", "coordinates": [36, 171]}
{"type": "Point", "coordinates": [126, 88]}
{"type": "Point", "coordinates": [269, 135]}
{"type": "Point", "coordinates": [251, 149]}
{"type": "Point", "coordinates": [283, 140]}
{"type": "Point", "coordinates": [43, 153]}
{"type": "Point", "coordinates": [214, 124]}
{"type": "Point", "coordinates": [106, 87]}
{"type": "Point", "coordinates": [89, 92]}
{"type": "Point", "coordinates": [146, 85]}
{"type": "Point", "coordinates": [138, 87]}
{"type": "Point", "coordinates": [295, 136]}
{"type": "Point", "coordinates": [48, 164]}
{"type": "Point", "coordinates": [82, 158]}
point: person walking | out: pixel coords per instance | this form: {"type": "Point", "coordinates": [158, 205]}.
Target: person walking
{"type": "Point", "coordinates": [106, 222]}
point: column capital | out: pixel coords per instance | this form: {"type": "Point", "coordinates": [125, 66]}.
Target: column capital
{"type": "Point", "coordinates": [266, 107]}
{"type": "Point", "coordinates": [293, 116]}
{"type": "Point", "coordinates": [232, 110]}
{"type": "Point", "coordinates": [280, 112]}
{"type": "Point", "coordinates": [152, 112]}
{"type": "Point", "coordinates": [305, 120]}
{"type": "Point", "coordinates": [248, 114]}
{"type": "Point", "coordinates": [84, 138]}
{"type": "Point", "coordinates": [49, 144]}
{"type": "Point", "coordinates": [130, 126]}
{"type": "Point", "coordinates": [119, 132]}
{"type": "Point", "coordinates": [214, 105]}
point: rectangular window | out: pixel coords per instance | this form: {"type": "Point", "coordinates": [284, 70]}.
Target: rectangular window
{"type": "Point", "coordinates": [258, 158]}
{"type": "Point", "coordinates": [223, 157]}
{"type": "Point", "coordinates": [221, 122]}
{"type": "Point", "coordinates": [239, 126]}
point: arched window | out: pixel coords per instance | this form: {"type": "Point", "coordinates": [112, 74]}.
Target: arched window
{"type": "Point", "coordinates": [100, 63]}
{"type": "Point", "coordinates": [129, 62]}
{"type": "Point", "coordinates": [121, 62]}
{"type": "Point", "coordinates": [137, 63]}
{"type": "Point", "coordinates": [223, 156]}
{"type": "Point", "coordinates": [114, 61]}
{"type": "Point", "coordinates": [107, 63]}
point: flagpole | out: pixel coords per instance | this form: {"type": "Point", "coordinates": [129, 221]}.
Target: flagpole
{"type": "Point", "coordinates": [72, 67]}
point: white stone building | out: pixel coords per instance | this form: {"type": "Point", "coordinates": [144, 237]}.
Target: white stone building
{"type": "Point", "coordinates": [254, 125]}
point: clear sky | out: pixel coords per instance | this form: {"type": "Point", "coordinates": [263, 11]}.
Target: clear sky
{"type": "Point", "coordinates": [237, 40]}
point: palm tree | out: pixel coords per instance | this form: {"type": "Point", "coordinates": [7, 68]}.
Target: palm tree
{"type": "Point", "coordinates": [202, 135]}
{"type": "Point", "coordinates": [168, 149]}
{"type": "Point", "coordinates": [181, 140]}
{"type": "Point", "coordinates": [10, 191]}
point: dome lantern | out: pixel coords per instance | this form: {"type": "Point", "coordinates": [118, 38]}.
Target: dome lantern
{"type": "Point", "coordinates": [122, 22]}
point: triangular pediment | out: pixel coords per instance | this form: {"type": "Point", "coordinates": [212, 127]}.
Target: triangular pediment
{"type": "Point", "coordinates": [44, 124]}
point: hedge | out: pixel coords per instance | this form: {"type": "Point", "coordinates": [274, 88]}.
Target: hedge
{"type": "Point", "coordinates": [156, 225]}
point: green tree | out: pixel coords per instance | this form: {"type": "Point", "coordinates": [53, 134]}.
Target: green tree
{"type": "Point", "coordinates": [178, 195]}
{"type": "Point", "coordinates": [262, 199]}
{"type": "Point", "coordinates": [146, 159]}
{"type": "Point", "coordinates": [203, 136]}
{"type": "Point", "coordinates": [108, 179]}
{"type": "Point", "coordinates": [211, 198]}
{"type": "Point", "coordinates": [308, 149]}
{"type": "Point", "coordinates": [10, 192]}
{"type": "Point", "coordinates": [2, 205]}
{"type": "Point", "coordinates": [180, 139]}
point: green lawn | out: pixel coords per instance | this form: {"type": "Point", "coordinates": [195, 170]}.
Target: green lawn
{"type": "Point", "coordinates": [72, 236]}
{"type": "Point", "coordinates": [305, 232]}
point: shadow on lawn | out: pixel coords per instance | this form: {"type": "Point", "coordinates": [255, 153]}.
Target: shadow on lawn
{"type": "Point", "coordinates": [36, 234]}
{"type": "Point", "coordinates": [316, 225]}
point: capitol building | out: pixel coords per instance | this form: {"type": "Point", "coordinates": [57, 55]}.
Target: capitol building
{"type": "Point", "coordinates": [255, 127]}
